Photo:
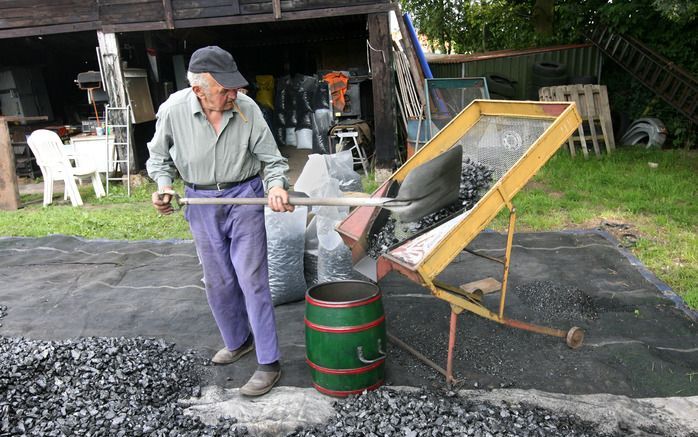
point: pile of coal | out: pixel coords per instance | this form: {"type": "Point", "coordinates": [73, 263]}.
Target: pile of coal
{"type": "Point", "coordinates": [476, 179]}
{"type": "Point", "coordinates": [100, 386]}
{"type": "Point", "coordinates": [430, 413]}
{"type": "Point", "coordinates": [549, 301]}
{"type": "Point", "coordinates": [381, 241]}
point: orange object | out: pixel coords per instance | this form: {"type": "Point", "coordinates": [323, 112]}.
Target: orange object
{"type": "Point", "coordinates": [338, 88]}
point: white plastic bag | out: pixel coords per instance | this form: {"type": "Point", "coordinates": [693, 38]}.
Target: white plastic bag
{"type": "Point", "coordinates": [341, 167]}
{"type": "Point", "coordinates": [334, 257]}
{"type": "Point", "coordinates": [304, 138]}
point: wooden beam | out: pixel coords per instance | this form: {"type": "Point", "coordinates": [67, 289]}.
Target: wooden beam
{"type": "Point", "coordinates": [135, 27]}
{"type": "Point", "coordinates": [384, 116]}
{"type": "Point", "coordinates": [9, 191]}
{"type": "Point", "coordinates": [276, 6]}
{"type": "Point", "coordinates": [287, 16]}
{"type": "Point", "coordinates": [21, 32]}
{"type": "Point", "coordinates": [169, 14]}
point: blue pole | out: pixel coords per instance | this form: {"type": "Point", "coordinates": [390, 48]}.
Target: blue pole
{"type": "Point", "coordinates": [417, 47]}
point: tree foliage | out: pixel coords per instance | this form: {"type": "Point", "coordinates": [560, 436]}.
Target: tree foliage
{"type": "Point", "coordinates": [666, 26]}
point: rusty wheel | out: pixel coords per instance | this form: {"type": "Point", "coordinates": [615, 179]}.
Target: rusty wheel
{"type": "Point", "coordinates": [575, 337]}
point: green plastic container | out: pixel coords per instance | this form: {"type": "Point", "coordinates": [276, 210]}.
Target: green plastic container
{"type": "Point", "coordinates": [345, 337]}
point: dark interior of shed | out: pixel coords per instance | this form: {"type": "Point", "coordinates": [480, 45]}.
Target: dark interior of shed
{"type": "Point", "coordinates": [307, 47]}
{"type": "Point", "coordinates": [59, 58]}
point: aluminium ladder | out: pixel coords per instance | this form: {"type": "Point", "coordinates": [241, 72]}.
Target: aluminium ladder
{"type": "Point", "coordinates": [117, 124]}
{"type": "Point", "coordinates": [674, 85]}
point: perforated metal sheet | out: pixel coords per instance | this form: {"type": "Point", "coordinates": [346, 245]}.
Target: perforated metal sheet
{"type": "Point", "coordinates": [495, 141]}
{"type": "Point", "coordinates": [499, 141]}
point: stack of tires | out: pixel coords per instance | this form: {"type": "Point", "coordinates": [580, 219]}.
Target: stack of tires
{"type": "Point", "coordinates": [500, 87]}
{"type": "Point", "coordinates": [547, 73]}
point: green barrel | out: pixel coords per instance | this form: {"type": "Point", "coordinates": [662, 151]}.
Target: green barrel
{"type": "Point", "coordinates": [345, 337]}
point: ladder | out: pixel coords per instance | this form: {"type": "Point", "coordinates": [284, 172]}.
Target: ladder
{"type": "Point", "coordinates": [117, 122]}
{"type": "Point", "coordinates": [667, 80]}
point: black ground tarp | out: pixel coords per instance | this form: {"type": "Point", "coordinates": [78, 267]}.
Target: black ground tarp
{"type": "Point", "coordinates": [641, 340]}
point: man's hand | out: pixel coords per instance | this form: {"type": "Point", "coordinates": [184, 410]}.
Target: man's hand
{"type": "Point", "coordinates": [162, 200]}
{"type": "Point", "coordinates": [278, 200]}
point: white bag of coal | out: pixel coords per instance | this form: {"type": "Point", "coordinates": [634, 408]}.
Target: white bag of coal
{"type": "Point", "coordinates": [285, 247]}
{"type": "Point", "coordinates": [333, 256]}
{"type": "Point", "coordinates": [311, 253]}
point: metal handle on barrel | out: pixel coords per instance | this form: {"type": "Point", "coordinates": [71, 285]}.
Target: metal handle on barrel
{"type": "Point", "coordinates": [360, 353]}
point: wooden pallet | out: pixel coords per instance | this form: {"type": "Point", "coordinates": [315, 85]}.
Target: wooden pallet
{"type": "Point", "coordinates": [592, 104]}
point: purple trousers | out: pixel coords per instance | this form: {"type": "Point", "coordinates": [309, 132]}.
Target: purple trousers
{"type": "Point", "coordinates": [231, 242]}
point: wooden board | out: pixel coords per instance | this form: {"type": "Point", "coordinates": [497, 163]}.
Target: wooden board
{"type": "Point", "coordinates": [36, 17]}
{"type": "Point", "coordinates": [486, 286]}
{"type": "Point", "coordinates": [9, 191]}
{"type": "Point", "coordinates": [382, 83]}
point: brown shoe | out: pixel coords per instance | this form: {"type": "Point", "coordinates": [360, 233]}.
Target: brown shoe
{"type": "Point", "coordinates": [260, 383]}
{"type": "Point", "coordinates": [225, 356]}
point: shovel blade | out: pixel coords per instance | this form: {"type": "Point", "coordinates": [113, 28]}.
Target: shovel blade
{"type": "Point", "coordinates": [429, 187]}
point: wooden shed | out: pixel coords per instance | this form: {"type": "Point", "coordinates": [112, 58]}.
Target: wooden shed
{"type": "Point", "coordinates": [56, 40]}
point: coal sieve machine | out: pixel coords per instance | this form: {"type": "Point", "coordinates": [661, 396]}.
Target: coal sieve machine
{"type": "Point", "coordinates": [514, 140]}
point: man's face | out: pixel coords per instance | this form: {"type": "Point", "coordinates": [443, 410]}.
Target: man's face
{"type": "Point", "coordinates": [215, 97]}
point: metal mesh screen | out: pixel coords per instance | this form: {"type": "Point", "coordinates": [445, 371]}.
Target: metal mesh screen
{"type": "Point", "coordinates": [498, 141]}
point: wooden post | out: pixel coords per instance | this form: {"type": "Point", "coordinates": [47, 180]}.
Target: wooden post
{"type": "Point", "coordinates": [385, 127]}
{"type": "Point", "coordinates": [169, 15]}
{"type": "Point", "coordinates": [114, 77]}
{"type": "Point", "coordinates": [9, 191]}
{"type": "Point", "coordinates": [276, 6]}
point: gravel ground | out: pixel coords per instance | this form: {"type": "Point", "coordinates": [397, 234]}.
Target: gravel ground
{"type": "Point", "coordinates": [483, 356]}
{"type": "Point", "coordinates": [99, 386]}
{"type": "Point", "coordinates": [551, 302]}
{"type": "Point", "coordinates": [386, 412]}
{"type": "Point", "coordinates": [130, 387]}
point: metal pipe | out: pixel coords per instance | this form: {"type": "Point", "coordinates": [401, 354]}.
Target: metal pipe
{"type": "Point", "coordinates": [491, 258]}
{"type": "Point", "coordinates": [451, 346]}
{"type": "Point", "coordinates": [534, 328]}
{"type": "Point", "coordinates": [507, 256]}
{"type": "Point", "coordinates": [416, 353]}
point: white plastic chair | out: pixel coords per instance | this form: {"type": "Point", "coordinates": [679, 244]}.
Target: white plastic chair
{"type": "Point", "coordinates": [50, 154]}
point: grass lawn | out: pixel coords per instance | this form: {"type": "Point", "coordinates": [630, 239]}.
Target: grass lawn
{"type": "Point", "coordinates": [652, 211]}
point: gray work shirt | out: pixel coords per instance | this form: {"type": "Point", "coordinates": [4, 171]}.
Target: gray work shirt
{"type": "Point", "coordinates": [186, 140]}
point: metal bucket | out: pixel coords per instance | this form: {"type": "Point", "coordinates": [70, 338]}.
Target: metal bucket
{"type": "Point", "coordinates": [345, 337]}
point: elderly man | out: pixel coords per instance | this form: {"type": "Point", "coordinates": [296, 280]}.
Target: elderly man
{"type": "Point", "coordinates": [217, 139]}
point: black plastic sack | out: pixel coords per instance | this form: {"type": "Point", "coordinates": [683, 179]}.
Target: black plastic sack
{"type": "Point", "coordinates": [304, 88]}
{"type": "Point", "coordinates": [321, 99]}
{"type": "Point", "coordinates": [322, 120]}
{"type": "Point", "coordinates": [268, 115]}
{"type": "Point", "coordinates": [281, 100]}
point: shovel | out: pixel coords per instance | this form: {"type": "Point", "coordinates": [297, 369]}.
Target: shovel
{"type": "Point", "coordinates": [426, 189]}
